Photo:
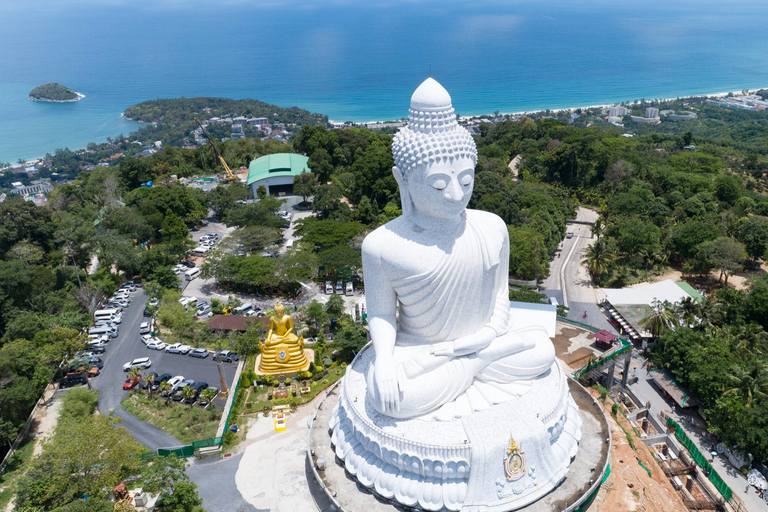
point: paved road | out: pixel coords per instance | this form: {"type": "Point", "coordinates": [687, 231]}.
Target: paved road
{"type": "Point", "coordinates": [109, 384]}
{"type": "Point", "coordinates": [215, 479]}
{"type": "Point", "coordinates": [580, 295]}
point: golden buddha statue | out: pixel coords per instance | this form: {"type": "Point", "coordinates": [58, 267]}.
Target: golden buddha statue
{"type": "Point", "coordinates": [282, 351]}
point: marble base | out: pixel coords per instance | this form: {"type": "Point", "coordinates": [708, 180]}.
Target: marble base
{"type": "Point", "coordinates": [582, 479]}
{"type": "Point", "coordinates": [466, 464]}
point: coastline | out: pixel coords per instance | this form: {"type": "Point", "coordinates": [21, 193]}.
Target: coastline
{"type": "Point", "coordinates": [507, 114]}
{"type": "Point", "coordinates": [572, 109]}
{"type": "Point", "coordinates": [45, 100]}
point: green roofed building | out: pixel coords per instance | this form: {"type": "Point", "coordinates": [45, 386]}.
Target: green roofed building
{"type": "Point", "coordinates": [276, 173]}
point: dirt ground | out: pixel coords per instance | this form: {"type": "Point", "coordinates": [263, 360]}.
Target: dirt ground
{"type": "Point", "coordinates": [740, 280]}
{"type": "Point", "coordinates": [629, 487]}
{"type": "Point", "coordinates": [574, 346]}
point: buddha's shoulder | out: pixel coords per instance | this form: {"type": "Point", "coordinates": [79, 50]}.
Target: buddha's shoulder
{"type": "Point", "coordinates": [486, 220]}
{"type": "Point", "coordinates": [384, 238]}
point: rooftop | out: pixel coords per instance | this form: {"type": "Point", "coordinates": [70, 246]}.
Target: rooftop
{"type": "Point", "coordinates": [277, 165]}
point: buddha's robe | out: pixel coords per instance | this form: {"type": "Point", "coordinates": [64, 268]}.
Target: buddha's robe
{"type": "Point", "coordinates": [446, 291]}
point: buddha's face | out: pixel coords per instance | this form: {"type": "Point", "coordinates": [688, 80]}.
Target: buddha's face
{"type": "Point", "coordinates": [279, 310]}
{"type": "Point", "coordinates": [442, 189]}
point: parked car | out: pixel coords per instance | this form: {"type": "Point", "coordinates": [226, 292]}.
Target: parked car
{"type": "Point", "coordinates": [115, 305]}
{"type": "Point", "coordinates": [159, 380]}
{"type": "Point", "coordinates": [177, 393]}
{"type": "Point", "coordinates": [139, 363]}
{"type": "Point", "coordinates": [144, 328]}
{"type": "Point", "coordinates": [177, 348]}
{"type": "Point", "coordinates": [198, 352]}
{"type": "Point", "coordinates": [73, 380]}
{"type": "Point", "coordinates": [153, 302]}
{"type": "Point", "coordinates": [199, 387]}
{"type": "Point", "coordinates": [130, 384]}
{"type": "Point", "coordinates": [175, 382]}
{"type": "Point", "coordinates": [98, 348]}
{"type": "Point", "coordinates": [202, 401]}
{"type": "Point", "coordinates": [189, 263]}
{"type": "Point", "coordinates": [226, 356]}
{"type": "Point", "coordinates": [328, 287]}
{"type": "Point", "coordinates": [151, 376]}
{"type": "Point", "coordinates": [156, 345]}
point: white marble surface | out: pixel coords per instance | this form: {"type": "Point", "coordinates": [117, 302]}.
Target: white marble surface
{"type": "Point", "coordinates": [428, 410]}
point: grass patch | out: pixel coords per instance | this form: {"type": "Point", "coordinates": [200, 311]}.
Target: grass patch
{"type": "Point", "coordinates": [258, 398]}
{"type": "Point", "coordinates": [16, 468]}
{"type": "Point", "coordinates": [185, 422]}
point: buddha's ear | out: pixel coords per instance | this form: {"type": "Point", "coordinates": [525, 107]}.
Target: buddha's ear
{"type": "Point", "coordinates": [398, 176]}
{"type": "Point", "coordinates": [406, 202]}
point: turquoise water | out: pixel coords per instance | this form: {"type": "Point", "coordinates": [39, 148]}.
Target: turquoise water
{"type": "Point", "coordinates": [360, 62]}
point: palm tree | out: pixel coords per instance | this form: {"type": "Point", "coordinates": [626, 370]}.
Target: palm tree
{"type": "Point", "coordinates": [599, 258]}
{"type": "Point", "coordinates": [598, 228]}
{"type": "Point", "coordinates": [659, 320]}
{"type": "Point", "coordinates": [751, 341]}
{"type": "Point", "coordinates": [687, 310]}
{"type": "Point", "coordinates": [208, 395]}
{"type": "Point", "coordinates": [164, 389]}
{"type": "Point", "coordinates": [710, 312]}
{"type": "Point", "coordinates": [648, 257]}
{"type": "Point", "coordinates": [749, 384]}
{"type": "Point", "coordinates": [149, 380]}
{"type": "Point", "coordinates": [187, 394]}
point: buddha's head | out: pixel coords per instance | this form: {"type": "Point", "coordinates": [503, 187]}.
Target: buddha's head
{"type": "Point", "coordinates": [434, 157]}
{"type": "Point", "coordinates": [279, 310]}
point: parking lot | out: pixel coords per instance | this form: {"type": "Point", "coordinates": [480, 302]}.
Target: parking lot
{"type": "Point", "coordinates": [128, 346]}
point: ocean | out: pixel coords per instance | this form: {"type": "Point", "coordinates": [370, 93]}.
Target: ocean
{"type": "Point", "coordinates": [360, 61]}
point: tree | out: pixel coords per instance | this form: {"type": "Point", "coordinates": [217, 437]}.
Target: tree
{"type": "Point", "coordinates": [349, 340]}
{"type": "Point", "coordinates": [208, 395]}
{"type": "Point", "coordinates": [749, 384]}
{"type": "Point", "coordinates": [174, 228]}
{"type": "Point", "coordinates": [328, 204]}
{"type": "Point", "coordinates": [304, 185]}
{"type": "Point", "coordinates": [659, 320]}
{"type": "Point", "coordinates": [753, 233]}
{"type": "Point", "coordinates": [226, 197]}
{"type": "Point", "coordinates": [184, 498]}
{"type": "Point", "coordinates": [599, 258]}
{"type": "Point", "coordinates": [261, 191]}
{"type": "Point", "coordinates": [314, 314]}
{"type": "Point", "coordinates": [85, 456]}
{"type": "Point", "coordinates": [725, 254]}
{"type": "Point", "coordinates": [335, 307]}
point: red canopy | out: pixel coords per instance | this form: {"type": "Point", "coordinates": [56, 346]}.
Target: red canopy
{"type": "Point", "coordinates": [605, 336]}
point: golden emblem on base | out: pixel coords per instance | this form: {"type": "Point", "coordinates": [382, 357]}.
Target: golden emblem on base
{"type": "Point", "coordinates": [514, 462]}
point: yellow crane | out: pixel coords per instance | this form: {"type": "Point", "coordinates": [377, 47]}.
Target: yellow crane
{"type": "Point", "coordinates": [230, 176]}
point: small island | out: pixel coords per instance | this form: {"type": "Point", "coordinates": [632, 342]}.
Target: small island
{"type": "Point", "coordinates": [55, 93]}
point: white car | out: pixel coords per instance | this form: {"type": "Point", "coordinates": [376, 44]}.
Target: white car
{"type": "Point", "coordinates": [176, 382]}
{"type": "Point", "coordinates": [148, 338]}
{"type": "Point", "coordinates": [144, 328]}
{"type": "Point", "coordinates": [177, 348]}
{"type": "Point", "coordinates": [156, 345]}
{"type": "Point", "coordinates": [139, 364]}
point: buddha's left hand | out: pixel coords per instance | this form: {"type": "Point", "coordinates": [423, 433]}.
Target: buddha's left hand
{"type": "Point", "coordinates": [466, 344]}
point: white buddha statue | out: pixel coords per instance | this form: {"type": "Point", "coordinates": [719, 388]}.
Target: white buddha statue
{"type": "Point", "coordinates": [451, 406]}
{"type": "Point", "coordinates": [437, 281]}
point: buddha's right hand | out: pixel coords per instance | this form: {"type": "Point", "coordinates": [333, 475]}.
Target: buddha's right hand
{"type": "Point", "coordinates": [386, 376]}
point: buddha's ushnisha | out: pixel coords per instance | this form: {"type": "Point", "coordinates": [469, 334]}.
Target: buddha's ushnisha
{"type": "Point", "coordinates": [437, 282]}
